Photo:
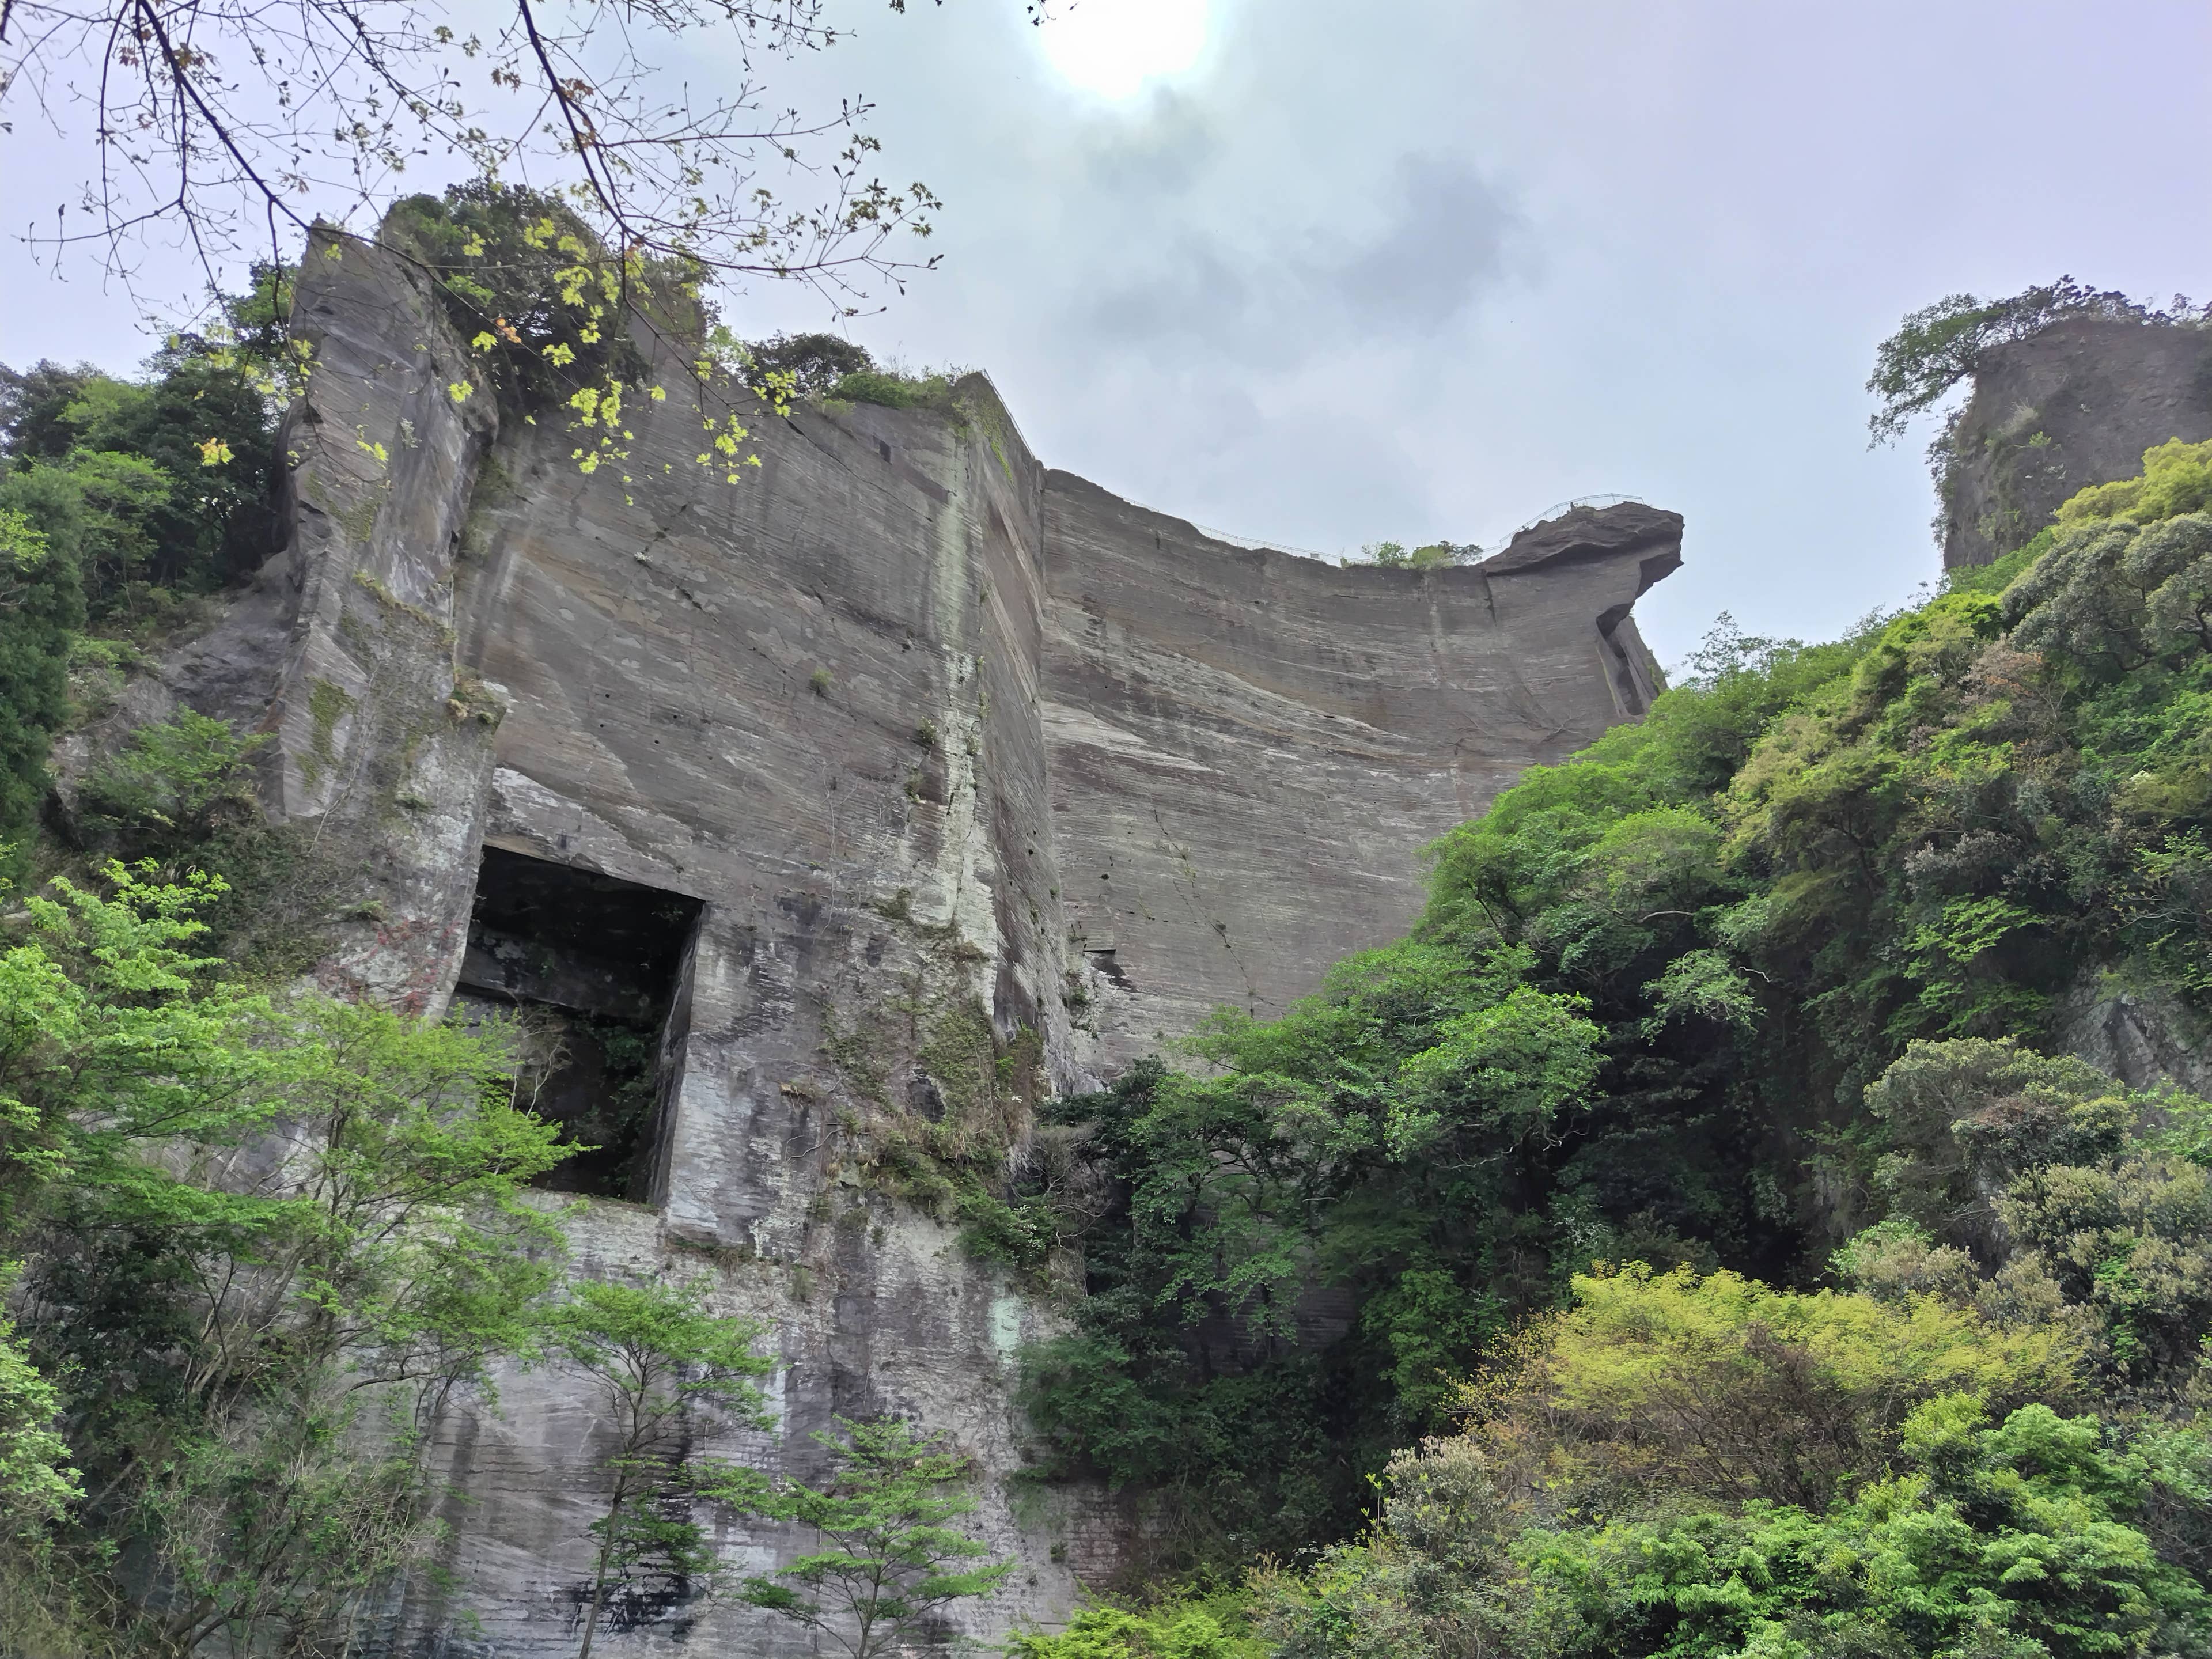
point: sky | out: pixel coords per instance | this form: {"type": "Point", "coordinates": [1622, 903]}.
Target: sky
{"type": "Point", "coordinates": [1338, 273]}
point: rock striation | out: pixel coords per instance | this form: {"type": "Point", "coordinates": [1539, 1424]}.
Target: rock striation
{"type": "Point", "coordinates": [902, 784]}
{"type": "Point", "coordinates": [2074, 404]}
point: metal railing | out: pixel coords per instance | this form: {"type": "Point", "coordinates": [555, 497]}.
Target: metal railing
{"type": "Point", "coordinates": [1561, 508]}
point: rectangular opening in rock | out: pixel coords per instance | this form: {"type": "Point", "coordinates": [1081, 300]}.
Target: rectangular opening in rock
{"type": "Point", "coordinates": [592, 970]}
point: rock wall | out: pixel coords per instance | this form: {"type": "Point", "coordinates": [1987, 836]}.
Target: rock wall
{"type": "Point", "coordinates": [978, 781]}
{"type": "Point", "coordinates": [2073, 405]}
{"type": "Point", "coordinates": [2143, 1035]}
{"type": "Point", "coordinates": [1249, 749]}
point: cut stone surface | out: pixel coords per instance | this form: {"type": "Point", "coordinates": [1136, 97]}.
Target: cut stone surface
{"type": "Point", "coordinates": [982, 782]}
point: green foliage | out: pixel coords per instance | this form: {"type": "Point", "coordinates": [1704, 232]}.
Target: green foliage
{"type": "Point", "coordinates": [812, 364]}
{"type": "Point", "coordinates": [175, 783]}
{"type": "Point", "coordinates": [155, 487]}
{"type": "Point", "coordinates": [1434, 555]}
{"type": "Point", "coordinates": [1727, 1388]}
{"type": "Point", "coordinates": [2176, 478]}
{"type": "Point", "coordinates": [896, 390]}
{"type": "Point", "coordinates": [217, 1343]}
{"type": "Point", "coordinates": [2010, 1540]}
{"type": "Point", "coordinates": [1364, 1141]}
{"type": "Point", "coordinates": [37, 1485]}
{"type": "Point", "coordinates": [2035, 1188]}
{"type": "Point", "coordinates": [1021, 1234]}
{"type": "Point", "coordinates": [892, 1557]}
{"type": "Point", "coordinates": [1182, 1627]}
{"type": "Point", "coordinates": [1943, 1523]}
{"type": "Point", "coordinates": [41, 605]}
{"type": "Point", "coordinates": [181, 794]}
{"type": "Point", "coordinates": [119, 501]}
{"type": "Point", "coordinates": [659, 1361]}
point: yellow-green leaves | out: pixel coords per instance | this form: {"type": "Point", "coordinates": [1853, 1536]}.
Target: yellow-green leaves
{"type": "Point", "coordinates": [1722, 1386]}
{"type": "Point", "coordinates": [458, 391]}
{"type": "Point", "coordinates": [2176, 478]}
{"type": "Point", "coordinates": [214, 452]}
{"type": "Point", "coordinates": [23, 543]}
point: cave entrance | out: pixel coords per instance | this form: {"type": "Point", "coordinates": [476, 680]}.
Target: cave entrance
{"type": "Point", "coordinates": [595, 972]}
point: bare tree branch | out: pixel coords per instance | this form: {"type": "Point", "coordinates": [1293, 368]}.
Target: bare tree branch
{"type": "Point", "coordinates": [225, 126]}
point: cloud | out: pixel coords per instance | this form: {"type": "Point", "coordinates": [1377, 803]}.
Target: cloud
{"type": "Point", "coordinates": [1447, 241]}
{"type": "Point", "coordinates": [1164, 151]}
{"type": "Point", "coordinates": [1277, 300]}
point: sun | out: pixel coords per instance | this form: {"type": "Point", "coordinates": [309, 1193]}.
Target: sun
{"type": "Point", "coordinates": [1114, 47]}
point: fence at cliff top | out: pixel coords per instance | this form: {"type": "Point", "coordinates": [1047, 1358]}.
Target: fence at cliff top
{"type": "Point", "coordinates": [1234, 540]}
{"type": "Point", "coordinates": [1558, 509]}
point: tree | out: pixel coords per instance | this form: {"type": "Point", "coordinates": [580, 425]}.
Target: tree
{"type": "Point", "coordinates": [37, 1485]}
{"type": "Point", "coordinates": [1960, 1528]}
{"type": "Point", "coordinates": [253, 1228]}
{"type": "Point", "coordinates": [815, 363]}
{"type": "Point", "coordinates": [1178, 1629]}
{"type": "Point", "coordinates": [163, 485]}
{"type": "Point", "coordinates": [658, 1357]}
{"type": "Point", "coordinates": [892, 1559]}
{"type": "Point", "coordinates": [41, 606]}
{"type": "Point", "coordinates": [219, 122]}
{"type": "Point", "coordinates": [1731, 1389]}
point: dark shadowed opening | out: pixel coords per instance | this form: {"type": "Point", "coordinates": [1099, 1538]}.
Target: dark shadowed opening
{"type": "Point", "coordinates": [593, 970]}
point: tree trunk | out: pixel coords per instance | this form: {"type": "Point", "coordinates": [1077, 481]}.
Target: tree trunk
{"type": "Point", "coordinates": [598, 1590]}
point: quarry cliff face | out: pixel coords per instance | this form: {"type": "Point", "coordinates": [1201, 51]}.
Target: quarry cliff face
{"type": "Point", "coordinates": [887, 792]}
{"type": "Point", "coordinates": [2074, 404]}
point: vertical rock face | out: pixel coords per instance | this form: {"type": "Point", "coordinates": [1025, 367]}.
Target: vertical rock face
{"type": "Point", "coordinates": [1249, 750]}
{"type": "Point", "coordinates": [948, 782]}
{"type": "Point", "coordinates": [2073, 405]}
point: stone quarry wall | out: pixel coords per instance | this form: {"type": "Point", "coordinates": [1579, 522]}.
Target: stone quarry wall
{"type": "Point", "coordinates": [978, 781]}
{"type": "Point", "coordinates": [2072, 406]}
{"type": "Point", "coordinates": [1249, 750]}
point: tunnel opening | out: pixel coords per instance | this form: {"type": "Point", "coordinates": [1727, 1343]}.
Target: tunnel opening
{"type": "Point", "coordinates": [593, 972]}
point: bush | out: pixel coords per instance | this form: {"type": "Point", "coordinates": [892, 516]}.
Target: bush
{"type": "Point", "coordinates": [810, 365]}
{"type": "Point", "coordinates": [896, 390]}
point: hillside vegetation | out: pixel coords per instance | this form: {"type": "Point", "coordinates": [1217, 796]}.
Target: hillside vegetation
{"type": "Point", "coordinates": [1701, 1199]}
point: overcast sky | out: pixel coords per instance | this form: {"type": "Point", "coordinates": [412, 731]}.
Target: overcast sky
{"type": "Point", "coordinates": [1419, 271]}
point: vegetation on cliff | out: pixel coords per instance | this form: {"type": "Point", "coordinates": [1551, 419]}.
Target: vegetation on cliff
{"type": "Point", "coordinates": [1772, 990]}
{"type": "Point", "coordinates": [1695, 1238]}
{"type": "Point", "coordinates": [254, 1240]}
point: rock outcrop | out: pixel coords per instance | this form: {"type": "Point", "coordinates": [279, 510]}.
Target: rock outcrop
{"type": "Point", "coordinates": [896, 787]}
{"type": "Point", "coordinates": [2074, 404]}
